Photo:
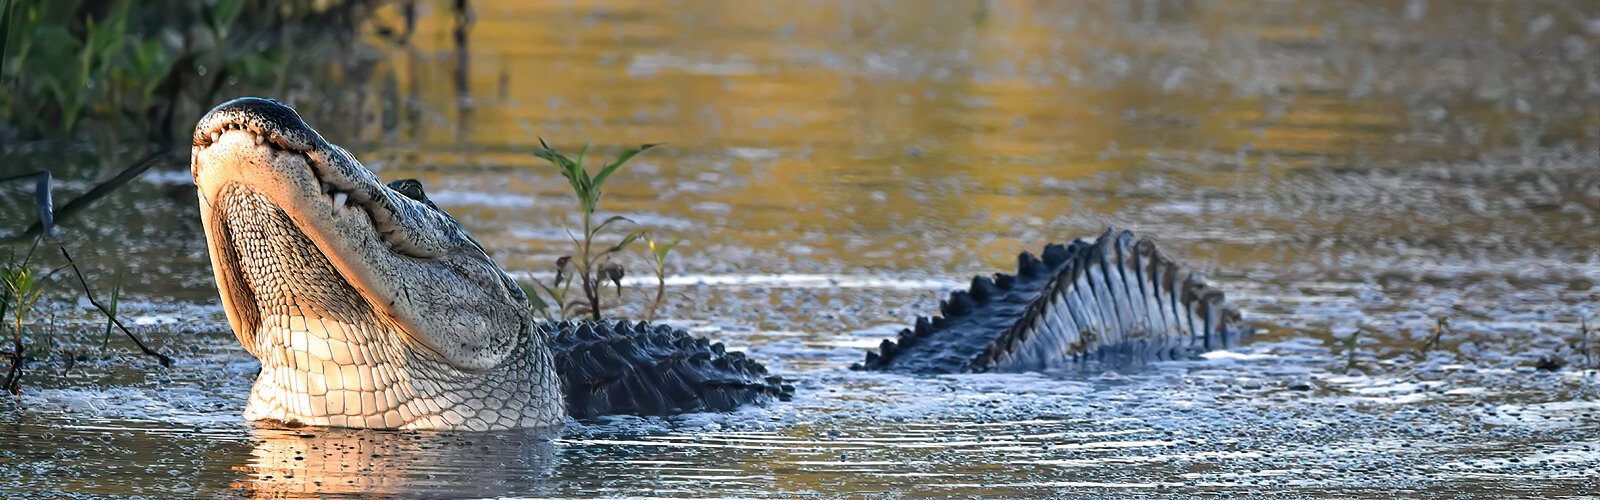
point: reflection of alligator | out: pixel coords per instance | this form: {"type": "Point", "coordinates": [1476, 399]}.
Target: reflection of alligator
{"type": "Point", "coordinates": [369, 306]}
{"type": "Point", "coordinates": [346, 463]}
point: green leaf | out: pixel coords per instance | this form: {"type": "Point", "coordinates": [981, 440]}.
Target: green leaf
{"type": "Point", "coordinates": [605, 172]}
{"type": "Point", "coordinates": [626, 240]}
{"type": "Point", "coordinates": [612, 219]}
{"type": "Point", "coordinates": [534, 300]}
{"type": "Point", "coordinates": [157, 64]}
{"type": "Point", "coordinates": [582, 153]}
{"type": "Point", "coordinates": [577, 177]}
{"type": "Point", "coordinates": [660, 250]}
{"type": "Point", "coordinates": [547, 290]}
{"type": "Point", "coordinates": [227, 11]}
{"type": "Point", "coordinates": [550, 154]}
{"type": "Point", "coordinates": [575, 308]}
{"type": "Point", "coordinates": [109, 36]}
{"type": "Point", "coordinates": [56, 40]}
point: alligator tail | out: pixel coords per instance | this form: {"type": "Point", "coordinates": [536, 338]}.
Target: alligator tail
{"type": "Point", "coordinates": [1117, 300]}
{"type": "Point", "coordinates": [971, 319]}
{"type": "Point", "coordinates": [610, 368]}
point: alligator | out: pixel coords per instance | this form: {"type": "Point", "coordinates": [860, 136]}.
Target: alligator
{"type": "Point", "coordinates": [369, 306]}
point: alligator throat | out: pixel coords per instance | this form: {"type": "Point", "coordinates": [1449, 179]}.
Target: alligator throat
{"type": "Point", "coordinates": [327, 360]}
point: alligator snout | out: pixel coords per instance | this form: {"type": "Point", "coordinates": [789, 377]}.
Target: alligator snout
{"type": "Point", "coordinates": [270, 121]}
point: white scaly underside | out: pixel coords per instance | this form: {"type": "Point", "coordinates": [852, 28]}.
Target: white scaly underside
{"type": "Point", "coordinates": [327, 359]}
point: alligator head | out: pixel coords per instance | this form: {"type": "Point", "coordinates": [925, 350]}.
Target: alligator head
{"type": "Point", "coordinates": [367, 305]}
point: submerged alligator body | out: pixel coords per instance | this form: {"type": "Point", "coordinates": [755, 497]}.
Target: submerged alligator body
{"type": "Point", "coordinates": [369, 306]}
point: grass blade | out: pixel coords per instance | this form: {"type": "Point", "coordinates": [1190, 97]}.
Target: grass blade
{"type": "Point", "coordinates": [605, 172]}
{"type": "Point", "coordinates": [612, 219]}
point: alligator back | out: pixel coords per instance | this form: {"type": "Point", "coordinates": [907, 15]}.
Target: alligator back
{"type": "Point", "coordinates": [610, 368]}
{"type": "Point", "coordinates": [1117, 300]}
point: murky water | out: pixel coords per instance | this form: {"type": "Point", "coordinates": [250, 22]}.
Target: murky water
{"type": "Point", "coordinates": [834, 166]}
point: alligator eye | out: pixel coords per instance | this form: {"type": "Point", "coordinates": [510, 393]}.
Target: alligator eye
{"type": "Point", "coordinates": [412, 188]}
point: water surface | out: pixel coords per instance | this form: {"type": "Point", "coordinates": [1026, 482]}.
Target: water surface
{"type": "Point", "coordinates": [835, 166]}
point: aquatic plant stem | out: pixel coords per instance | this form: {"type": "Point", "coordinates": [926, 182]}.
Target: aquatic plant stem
{"type": "Point", "coordinates": [587, 273]}
{"type": "Point", "coordinates": [658, 255]}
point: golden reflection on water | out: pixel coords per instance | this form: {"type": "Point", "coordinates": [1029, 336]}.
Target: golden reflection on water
{"type": "Point", "coordinates": [319, 461]}
{"type": "Point", "coordinates": [869, 130]}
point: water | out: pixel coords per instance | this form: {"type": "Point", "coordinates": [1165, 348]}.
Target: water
{"type": "Point", "coordinates": [834, 166]}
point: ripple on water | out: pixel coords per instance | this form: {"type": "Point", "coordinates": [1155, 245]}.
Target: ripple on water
{"type": "Point", "coordinates": [836, 168]}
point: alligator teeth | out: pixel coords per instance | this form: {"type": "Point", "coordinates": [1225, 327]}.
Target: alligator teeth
{"type": "Point", "coordinates": [260, 139]}
{"type": "Point", "coordinates": [216, 136]}
{"type": "Point", "coordinates": [338, 202]}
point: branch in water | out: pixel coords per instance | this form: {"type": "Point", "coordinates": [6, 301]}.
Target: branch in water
{"type": "Point", "coordinates": [46, 223]}
{"type": "Point", "coordinates": [165, 361]}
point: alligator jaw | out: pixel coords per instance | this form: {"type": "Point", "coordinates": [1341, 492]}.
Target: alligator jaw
{"type": "Point", "coordinates": [262, 143]}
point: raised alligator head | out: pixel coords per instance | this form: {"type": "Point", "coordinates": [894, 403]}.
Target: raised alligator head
{"type": "Point", "coordinates": [367, 306]}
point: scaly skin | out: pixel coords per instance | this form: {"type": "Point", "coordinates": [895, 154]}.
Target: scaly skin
{"type": "Point", "coordinates": [1113, 301]}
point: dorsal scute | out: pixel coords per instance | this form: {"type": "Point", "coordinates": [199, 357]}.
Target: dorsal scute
{"type": "Point", "coordinates": [1116, 296]}
{"type": "Point", "coordinates": [1135, 305]}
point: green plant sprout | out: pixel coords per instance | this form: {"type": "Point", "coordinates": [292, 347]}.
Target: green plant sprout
{"type": "Point", "coordinates": [658, 257]}
{"type": "Point", "coordinates": [1351, 345]}
{"type": "Point", "coordinates": [591, 267]}
{"type": "Point", "coordinates": [20, 295]}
